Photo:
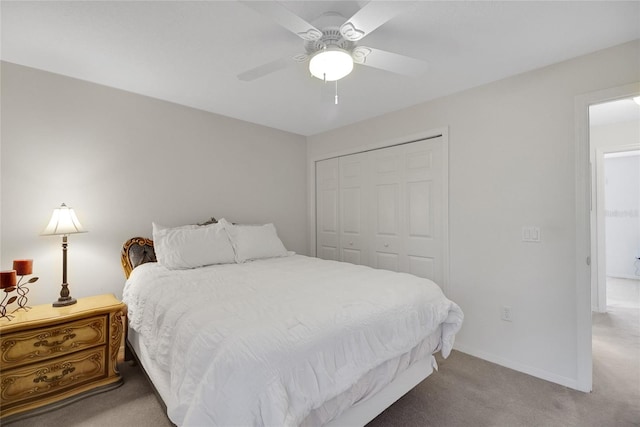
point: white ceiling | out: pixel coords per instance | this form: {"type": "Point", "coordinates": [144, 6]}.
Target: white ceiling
{"type": "Point", "coordinates": [191, 52]}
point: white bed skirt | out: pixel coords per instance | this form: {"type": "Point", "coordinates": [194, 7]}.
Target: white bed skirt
{"type": "Point", "coordinates": [372, 394]}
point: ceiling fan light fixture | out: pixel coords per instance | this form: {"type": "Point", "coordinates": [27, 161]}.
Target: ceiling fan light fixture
{"type": "Point", "coordinates": [331, 64]}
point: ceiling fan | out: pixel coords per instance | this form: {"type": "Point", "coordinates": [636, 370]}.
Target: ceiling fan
{"type": "Point", "coordinates": [334, 48]}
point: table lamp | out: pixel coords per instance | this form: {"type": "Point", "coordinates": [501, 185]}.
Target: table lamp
{"type": "Point", "coordinates": [63, 222]}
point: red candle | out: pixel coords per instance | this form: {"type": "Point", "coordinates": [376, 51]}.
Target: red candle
{"type": "Point", "coordinates": [7, 279]}
{"type": "Point", "coordinates": [23, 267]}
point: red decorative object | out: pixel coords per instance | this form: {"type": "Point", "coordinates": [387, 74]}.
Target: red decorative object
{"type": "Point", "coordinates": [8, 279]}
{"type": "Point", "coordinates": [23, 267]}
{"type": "Point", "coordinates": [8, 285]}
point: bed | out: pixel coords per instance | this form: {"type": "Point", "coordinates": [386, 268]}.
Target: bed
{"type": "Point", "coordinates": [281, 340]}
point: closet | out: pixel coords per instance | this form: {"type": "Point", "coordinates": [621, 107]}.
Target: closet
{"type": "Point", "coordinates": [384, 208]}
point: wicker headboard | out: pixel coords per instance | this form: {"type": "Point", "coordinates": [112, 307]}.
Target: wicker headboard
{"type": "Point", "coordinates": [136, 251]}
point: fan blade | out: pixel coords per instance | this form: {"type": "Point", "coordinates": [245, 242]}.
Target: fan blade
{"type": "Point", "coordinates": [370, 17]}
{"type": "Point", "coordinates": [286, 19]}
{"type": "Point", "coordinates": [389, 61]}
{"type": "Point", "coordinates": [263, 70]}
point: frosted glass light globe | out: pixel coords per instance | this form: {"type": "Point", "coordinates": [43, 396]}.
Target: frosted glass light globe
{"type": "Point", "coordinates": [331, 64]}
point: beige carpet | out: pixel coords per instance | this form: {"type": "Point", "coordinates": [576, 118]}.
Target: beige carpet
{"type": "Point", "coordinates": [466, 391]}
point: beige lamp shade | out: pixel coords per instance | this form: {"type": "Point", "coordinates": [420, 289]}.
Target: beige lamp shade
{"type": "Point", "coordinates": [63, 221]}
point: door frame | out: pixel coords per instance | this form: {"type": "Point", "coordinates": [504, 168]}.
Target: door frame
{"type": "Point", "coordinates": [406, 139]}
{"type": "Point", "coordinates": [583, 238]}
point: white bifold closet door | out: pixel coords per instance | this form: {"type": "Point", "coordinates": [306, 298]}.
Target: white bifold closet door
{"type": "Point", "coordinates": [384, 208]}
{"type": "Point", "coordinates": [327, 194]}
{"type": "Point", "coordinates": [354, 201]}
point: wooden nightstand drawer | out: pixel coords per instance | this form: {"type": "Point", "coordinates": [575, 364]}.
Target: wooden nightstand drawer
{"type": "Point", "coordinates": [22, 348]}
{"type": "Point", "coordinates": [51, 356]}
{"type": "Point", "coordinates": [54, 376]}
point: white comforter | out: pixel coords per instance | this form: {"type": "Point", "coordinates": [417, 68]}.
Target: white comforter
{"type": "Point", "coordinates": [265, 342]}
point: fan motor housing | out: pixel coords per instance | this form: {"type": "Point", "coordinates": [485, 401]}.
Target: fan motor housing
{"type": "Point", "coordinates": [331, 37]}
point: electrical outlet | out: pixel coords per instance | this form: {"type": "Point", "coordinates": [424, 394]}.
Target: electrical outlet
{"type": "Point", "coordinates": [506, 314]}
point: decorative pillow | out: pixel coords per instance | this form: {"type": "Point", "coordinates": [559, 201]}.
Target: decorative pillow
{"type": "Point", "coordinates": [192, 246]}
{"type": "Point", "coordinates": [254, 241]}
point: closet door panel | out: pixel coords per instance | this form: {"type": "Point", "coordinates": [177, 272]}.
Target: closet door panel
{"type": "Point", "coordinates": [419, 215]}
{"type": "Point", "coordinates": [423, 196]}
{"type": "Point", "coordinates": [354, 244]}
{"type": "Point", "coordinates": [387, 261]}
{"type": "Point", "coordinates": [327, 208]}
{"type": "Point", "coordinates": [351, 212]}
{"type": "Point", "coordinates": [386, 208]}
{"type": "Point", "coordinates": [421, 266]}
{"type": "Point", "coordinates": [351, 238]}
{"type": "Point", "coordinates": [329, 226]}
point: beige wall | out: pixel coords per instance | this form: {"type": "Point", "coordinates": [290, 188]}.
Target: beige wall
{"type": "Point", "coordinates": [122, 161]}
{"type": "Point", "coordinates": [511, 164]}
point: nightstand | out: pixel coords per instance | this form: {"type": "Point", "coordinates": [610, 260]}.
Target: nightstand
{"type": "Point", "coordinates": [51, 356]}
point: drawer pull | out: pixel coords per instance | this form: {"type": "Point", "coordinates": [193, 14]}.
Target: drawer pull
{"type": "Point", "coordinates": [46, 343]}
{"type": "Point", "coordinates": [45, 379]}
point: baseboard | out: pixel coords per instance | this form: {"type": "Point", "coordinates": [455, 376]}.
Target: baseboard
{"type": "Point", "coordinates": [520, 367]}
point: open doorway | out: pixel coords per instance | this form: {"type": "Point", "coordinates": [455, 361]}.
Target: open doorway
{"type": "Point", "coordinates": [614, 140]}
{"type": "Point", "coordinates": [622, 229]}
{"type": "Point", "coordinates": [614, 129]}
{"type": "Point", "coordinates": [586, 287]}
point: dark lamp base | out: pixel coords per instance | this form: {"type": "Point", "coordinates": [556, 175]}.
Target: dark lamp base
{"type": "Point", "coordinates": [65, 299]}
{"type": "Point", "coordinates": [62, 302]}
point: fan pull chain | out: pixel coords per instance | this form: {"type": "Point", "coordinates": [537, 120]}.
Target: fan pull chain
{"type": "Point", "coordinates": [335, 98]}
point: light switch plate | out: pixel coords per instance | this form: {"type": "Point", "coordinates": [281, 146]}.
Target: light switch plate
{"type": "Point", "coordinates": [531, 234]}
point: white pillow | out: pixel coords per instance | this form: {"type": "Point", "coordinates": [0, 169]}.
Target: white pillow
{"type": "Point", "coordinates": [191, 247]}
{"type": "Point", "coordinates": [254, 241]}
{"type": "Point", "coordinates": [157, 227]}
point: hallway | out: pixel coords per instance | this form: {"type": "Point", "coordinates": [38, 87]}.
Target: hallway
{"type": "Point", "coordinates": [616, 341]}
